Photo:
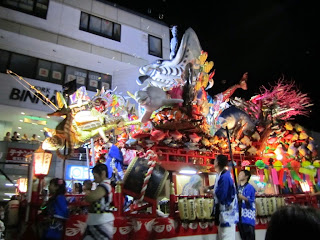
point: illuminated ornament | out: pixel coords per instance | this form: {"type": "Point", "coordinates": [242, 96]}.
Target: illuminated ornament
{"type": "Point", "coordinates": [292, 150]}
{"type": "Point", "coordinates": [279, 157]}
{"type": "Point", "coordinates": [295, 137]}
{"type": "Point", "coordinates": [303, 135]}
{"type": "Point", "coordinates": [246, 140]}
{"type": "Point", "coordinates": [288, 137]}
{"type": "Point", "coordinates": [255, 136]}
{"type": "Point", "coordinates": [245, 163]}
{"type": "Point", "coordinates": [298, 127]}
{"type": "Point", "coordinates": [278, 165]}
{"type": "Point", "coordinates": [306, 164]}
{"type": "Point", "coordinates": [288, 126]}
{"type": "Point", "coordinates": [316, 163]}
{"type": "Point", "coordinates": [203, 57]}
{"type": "Point", "coordinates": [295, 165]}
{"type": "Point", "coordinates": [279, 152]}
{"type": "Point", "coordinates": [272, 140]}
{"type": "Point", "coordinates": [311, 146]}
{"type": "Point", "coordinates": [303, 151]}
{"type": "Point", "coordinates": [260, 164]}
{"type": "Point", "coordinates": [22, 185]}
{"type": "Point", "coordinates": [286, 161]}
{"type": "Point", "coordinates": [252, 150]}
{"type": "Point", "coordinates": [42, 161]}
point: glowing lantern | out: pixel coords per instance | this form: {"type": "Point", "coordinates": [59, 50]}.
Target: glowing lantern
{"type": "Point", "coordinates": [260, 164]}
{"type": "Point", "coordinates": [279, 152]}
{"type": "Point", "coordinates": [295, 165]}
{"type": "Point", "coordinates": [279, 157]}
{"type": "Point", "coordinates": [316, 164]}
{"type": "Point", "coordinates": [22, 185]}
{"type": "Point", "coordinates": [277, 165]}
{"type": "Point", "coordinates": [42, 161]}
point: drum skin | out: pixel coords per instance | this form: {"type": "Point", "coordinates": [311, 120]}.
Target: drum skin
{"type": "Point", "coordinates": [134, 178]}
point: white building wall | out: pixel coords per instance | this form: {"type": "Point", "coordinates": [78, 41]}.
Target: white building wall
{"type": "Point", "coordinates": [59, 39]}
{"type": "Point", "coordinates": [64, 20]}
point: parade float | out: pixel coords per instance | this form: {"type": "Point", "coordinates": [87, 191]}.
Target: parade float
{"type": "Point", "coordinates": [180, 126]}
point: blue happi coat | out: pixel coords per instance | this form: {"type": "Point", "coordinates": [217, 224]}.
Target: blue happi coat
{"type": "Point", "coordinates": [248, 209]}
{"type": "Point", "coordinates": [225, 196]}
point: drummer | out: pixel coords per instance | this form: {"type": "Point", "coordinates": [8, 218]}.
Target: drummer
{"type": "Point", "coordinates": [100, 219]}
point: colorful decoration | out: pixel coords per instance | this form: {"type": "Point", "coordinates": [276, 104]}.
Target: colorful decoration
{"type": "Point", "coordinates": [86, 118]}
{"type": "Point", "coordinates": [260, 164]}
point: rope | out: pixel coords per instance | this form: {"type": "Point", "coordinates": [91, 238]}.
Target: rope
{"type": "Point", "coordinates": [34, 89]}
{"type": "Point", "coordinates": [152, 157]}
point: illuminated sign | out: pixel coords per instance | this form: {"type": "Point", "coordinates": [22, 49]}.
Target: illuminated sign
{"type": "Point", "coordinates": [78, 172]}
{"type": "Point", "coordinates": [18, 154]}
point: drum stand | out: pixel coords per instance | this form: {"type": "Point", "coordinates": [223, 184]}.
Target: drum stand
{"type": "Point", "coordinates": [145, 208]}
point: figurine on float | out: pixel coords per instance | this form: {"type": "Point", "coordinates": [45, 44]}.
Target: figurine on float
{"type": "Point", "coordinates": [186, 77]}
{"type": "Point", "coordinates": [198, 121]}
{"type": "Point", "coordinates": [174, 43]}
{"type": "Point", "coordinates": [86, 118]}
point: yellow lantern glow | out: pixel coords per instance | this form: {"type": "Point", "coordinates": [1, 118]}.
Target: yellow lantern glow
{"type": "Point", "coordinates": [22, 185]}
{"type": "Point", "coordinates": [42, 162]}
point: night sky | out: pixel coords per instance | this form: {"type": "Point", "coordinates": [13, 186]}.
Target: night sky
{"type": "Point", "coordinates": [267, 39]}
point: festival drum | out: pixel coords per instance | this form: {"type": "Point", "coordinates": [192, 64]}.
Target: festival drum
{"type": "Point", "coordinates": [135, 178]}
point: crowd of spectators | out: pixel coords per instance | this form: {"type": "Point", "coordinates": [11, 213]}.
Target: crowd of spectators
{"type": "Point", "coordinates": [24, 139]}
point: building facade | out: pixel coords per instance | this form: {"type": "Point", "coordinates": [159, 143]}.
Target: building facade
{"type": "Point", "coordinates": [51, 42]}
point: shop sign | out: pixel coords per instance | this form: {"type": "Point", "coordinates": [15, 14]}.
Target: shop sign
{"type": "Point", "coordinates": [18, 154]}
{"type": "Point", "coordinates": [77, 172]}
{"type": "Point", "coordinates": [13, 94]}
{"type": "Point", "coordinates": [25, 95]}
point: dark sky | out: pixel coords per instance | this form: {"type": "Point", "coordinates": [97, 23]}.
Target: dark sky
{"type": "Point", "coordinates": [268, 39]}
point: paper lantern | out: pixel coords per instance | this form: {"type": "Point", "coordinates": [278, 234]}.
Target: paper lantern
{"type": "Point", "coordinates": [306, 164]}
{"type": "Point", "coordinates": [295, 165]}
{"type": "Point", "coordinates": [22, 185]}
{"type": "Point", "coordinates": [42, 161]}
{"type": "Point", "coordinates": [260, 164]}
{"type": "Point", "coordinates": [316, 164]}
{"type": "Point", "coordinates": [245, 163]}
{"type": "Point", "coordinates": [277, 165]}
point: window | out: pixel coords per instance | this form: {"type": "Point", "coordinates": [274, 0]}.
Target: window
{"type": "Point", "coordinates": [106, 81]}
{"type": "Point", "coordinates": [44, 70]}
{"type": "Point", "coordinates": [78, 74]}
{"type": "Point", "coordinates": [84, 20]}
{"type": "Point", "coordinates": [50, 71]}
{"type": "Point", "coordinates": [57, 72]}
{"type": "Point", "coordinates": [4, 59]}
{"type": "Point", "coordinates": [100, 26]}
{"type": "Point", "coordinates": [37, 8]}
{"type": "Point", "coordinates": [22, 65]}
{"type": "Point", "coordinates": [95, 25]}
{"type": "Point", "coordinates": [155, 46]}
{"type": "Point", "coordinates": [94, 81]}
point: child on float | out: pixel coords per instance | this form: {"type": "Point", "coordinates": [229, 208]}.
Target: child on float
{"type": "Point", "coordinates": [56, 210]}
